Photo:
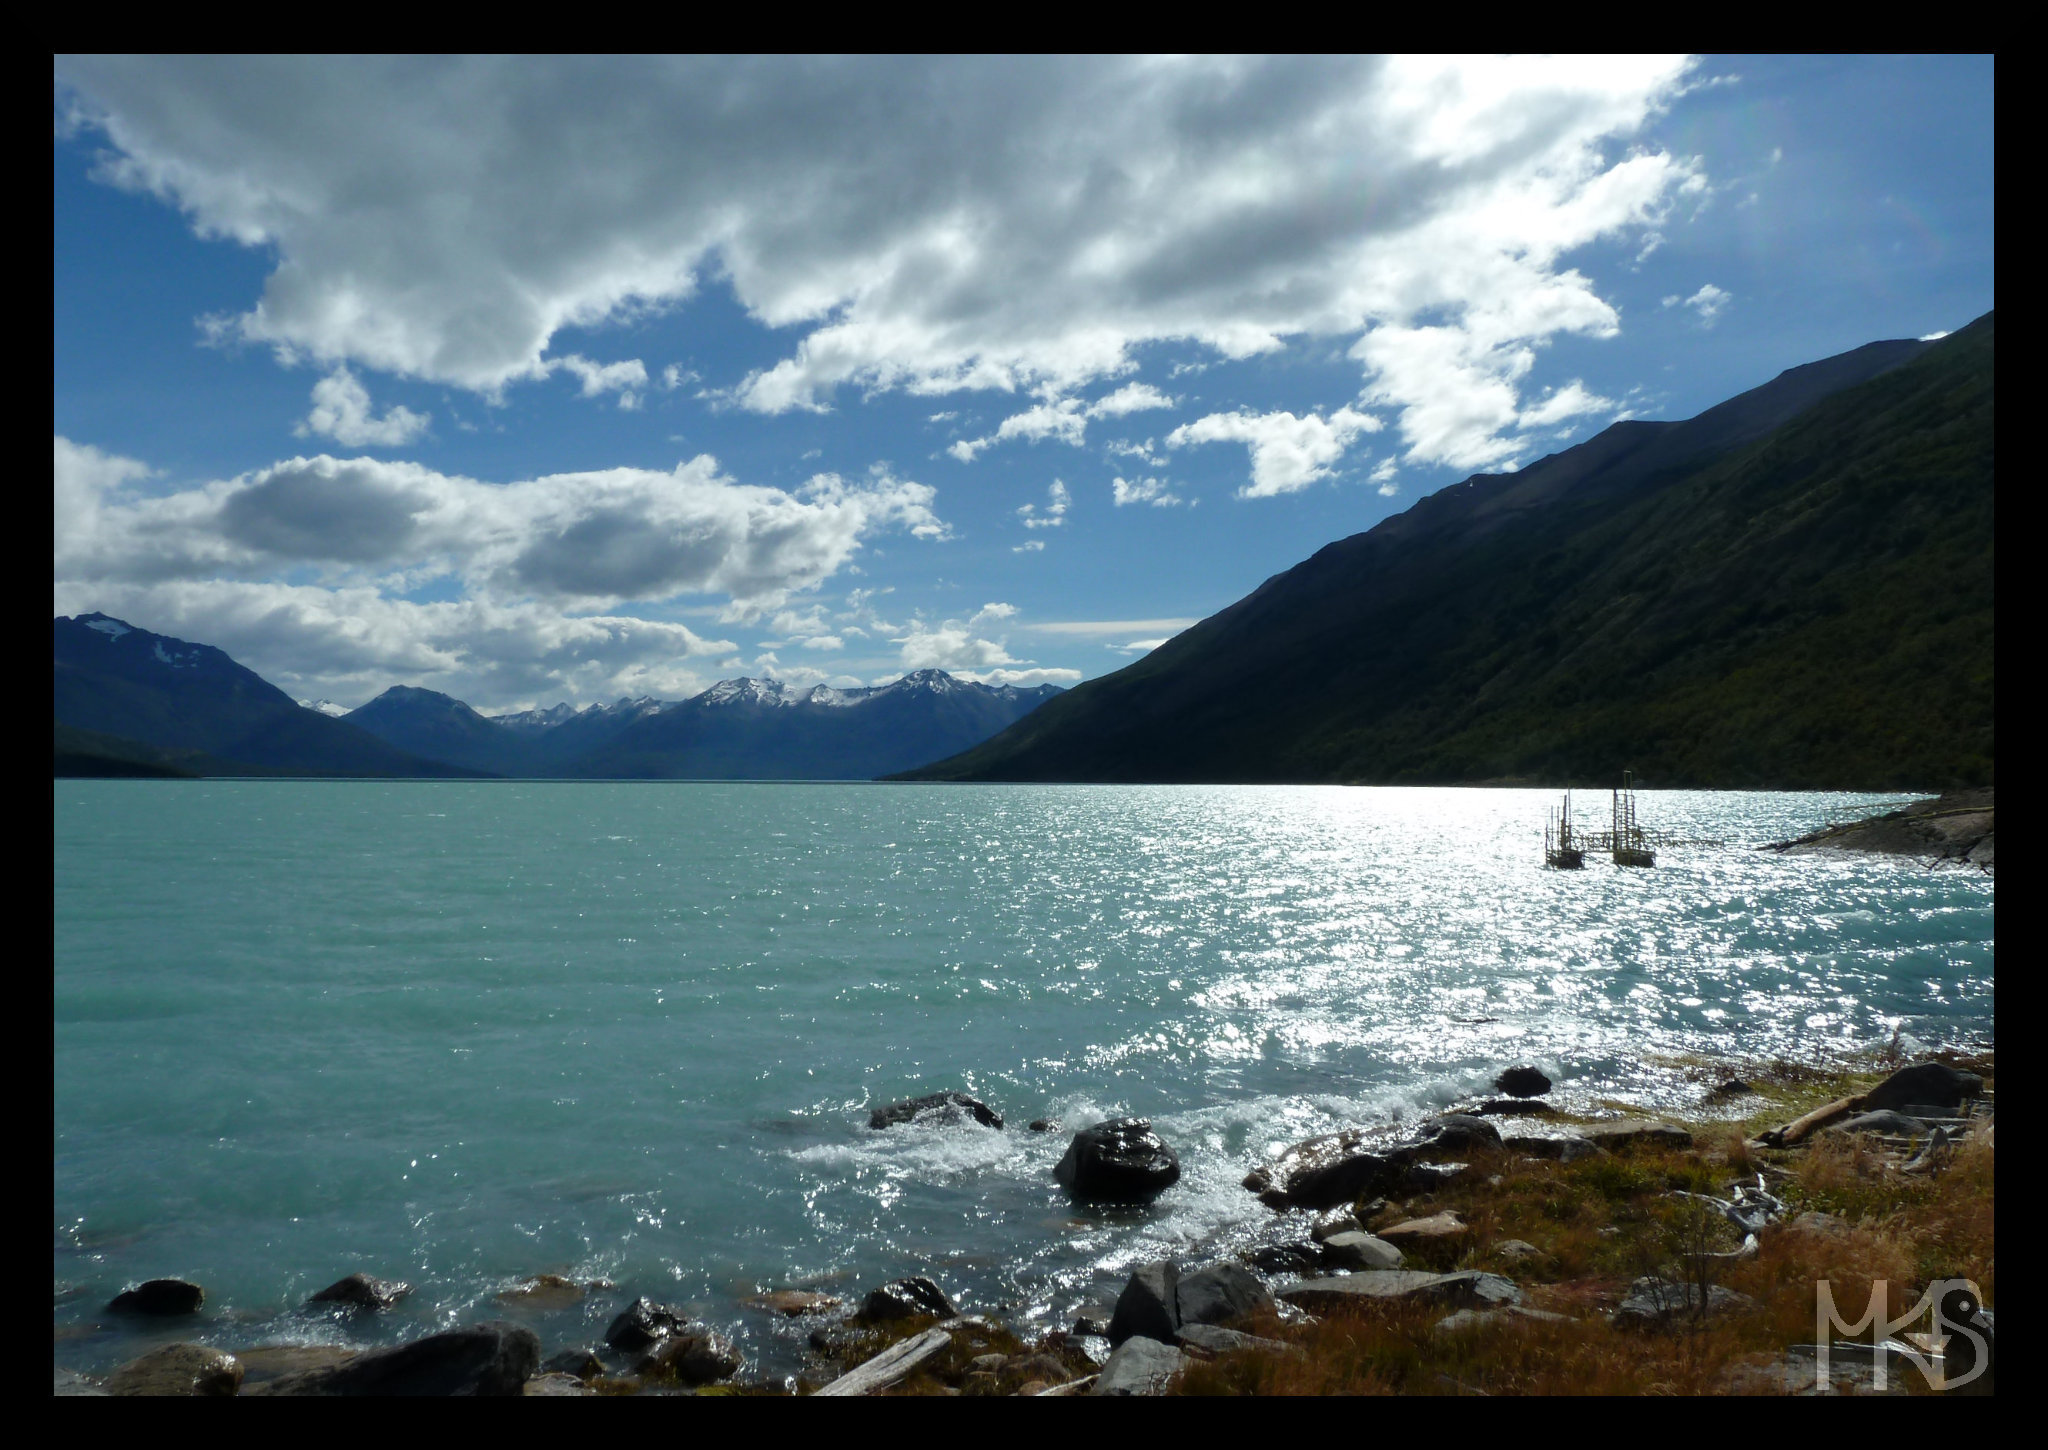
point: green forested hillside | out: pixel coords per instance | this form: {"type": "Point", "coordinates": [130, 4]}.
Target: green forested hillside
{"type": "Point", "coordinates": [1808, 608]}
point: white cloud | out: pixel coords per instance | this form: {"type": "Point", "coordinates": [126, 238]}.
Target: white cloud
{"type": "Point", "coordinates": [1933, 336]}
{"type": "Point", "coordinates": [1143, 490]}
{"type": "Point", "coordinates": [1137, 646]}
{"type": "Point", "coordinates": [341, 411]}
{"type": "Point", "coordinates": [624, 378]}
{"type": "Point", "coordinates": [1708, 302]}
{"type": "Point", "coordinates": [1055, 510]}
{"type": "Point", "coordinates": [1288, 453]}
{"type": "Point", "coordinates": [1131, 398]}
{"type": "Point", "coordinates": [1384, 477]}
{"type": "Point", "coordinates": [675, 375]}
{"type": "Point", "coordinates": [1570, 401]}
{"type": "Point", "coordinates": [1029, 546]}
{"type": "Point", "coordinates": [545, 558]}
{"type": "Point", "coordinates": [1096, 627]}
{"type": "Point", "coordinates": [962, 647]}
{"type": "Point", "coordinates": [1067, 211]}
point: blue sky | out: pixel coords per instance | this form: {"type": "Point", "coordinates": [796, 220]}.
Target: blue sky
{"type": "Point", "coordinates": [532, 380]}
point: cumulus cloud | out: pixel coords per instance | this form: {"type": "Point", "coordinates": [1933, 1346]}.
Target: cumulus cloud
{"type": "Point", "coordinates": [1068, 211]}
{"type": "Point", "coordinates": [1055, 514]}
{"type": "Point", "coordinates": [1288, 453]}
{"type": "Point", "coordinates": [1570, 401]}
{"type": "Point", "coordinates": [341, 411]}
{"type": "Point", "coordinates": [1708, 302]}
{"type": "Point", "coordinates": [1029, 546]}
{"type": "Point", "coordinates": [1143, 490]}
{"type": "Point", "coordinates": [541, 561]}
{"type": "Point", "coordinates": [962, 647]}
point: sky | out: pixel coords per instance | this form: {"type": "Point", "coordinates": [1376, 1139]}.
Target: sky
{"type": "Point", "coordinates": [532, 380]}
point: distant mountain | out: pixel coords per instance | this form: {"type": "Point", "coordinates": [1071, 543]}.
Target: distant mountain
{"type": "Point", "coordinates": [441, 727]}
{"type": "Point", "coordinates": [1792, 589]}
{"type": "Point", "coordinates": [146, 689]}
{"type": "Point", "coordinates": [325, 707]}
{"type": "Point", "coordinates": [763, 729]}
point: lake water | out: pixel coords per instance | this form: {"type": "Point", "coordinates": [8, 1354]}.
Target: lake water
{"type": "Point", "coordinates": [460, 1033]}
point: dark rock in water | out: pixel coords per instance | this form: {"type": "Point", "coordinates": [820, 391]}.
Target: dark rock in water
{"type": "Point", "coordinates": [641, 1324]}
{"type": "Point", "coordinates": [1925, 1082]}
{"type": "Point", "coordinates": [1653, 1303]}
{"type": "Point", "coordinates": [793, 1303]}
{"type": "Point", "coordinates": [360, 1291]}
{"type": "Point", "coordinates": [936, 1108]}
{"type": "Point", "coordinates": [906, 1299]}
{"type": "Point", "coordinates": [160, 1296]}
{"type": "Point", "coordinates": [70, 1382]}
{"type": "Point", "coordinates": [1511, 1108]}
{"type": "Point", "coordinates": [1140, 1366]}
{"type": "Point", "coordinates": [1883, 1121]}
{"type": "Point", "coordinates": [546, 1291]}
{"type": "Point", "coordinates": [1735, 1087]}
{"type": "Point", "coordinates": [484, 1359]}
{"type": "Point", "coordinates": [1219, 1293]}
{"type": "Point", "coordinates": [1089, 1327]}
{"type": "Point", "coordinates": [696, 1356]}
{"type": "Point", "coordinates": [582, 1363]}
{"type": "Point", "coordinates": [1148, 1305]}
{"type": "Point", "coordinates": [178, 1369]}
{"type": "Point", "coordinates": [274, 1361]}
{"type": "Point", "coordinates": [1456, 1133]}
{"type": "Point", "coordinates": [1522, 1082]}
{"type": "Point", "coordinates": [1044, 1125]}
{"type": "Point", "coordinates": [1121, 1161]}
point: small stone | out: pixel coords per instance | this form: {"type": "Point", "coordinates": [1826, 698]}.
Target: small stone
{"type": "Point", "coordinates": [641, 1324]}
{"type": "Point", "coordinates": [988, 1363]}
{"type": "Point", "coordinates": [178, 1369]}
{"type": "Point", "coordinates": [543, 1291]}
{"type": "Point", "coordinates": [793, 1303]}
{"type": "Point", "coordinates": [1337, 1221]}
{"type": "Point", "coordinates": [1512, 1108]}
{"type": "Point", "coordinates": [906, 1299]}
{"type": "Point", "coordinates": [581, 1363]}
{"type": "Point", "coordinates": [1212, 1339]}
{"type": "Point", "coordinates": [1654, 1303]}
{"type": "Point", "coordinates": [160, 1296]}
{"type": "Point", "coordinates": [1436, 1228]}
{"type": "Point", "coordinates": [555, 1385]}
{"type": "Point", "coordinates": [1086, 1326]}
{"type": "Point", "coordinates": [1522, 1082]}
{"type": "Point", "coordinates": [695, 1355]}
{"type": "Point", "coordinates": [1044, 1125]}
{"type": "Point", "coordinates": [1515, 1251]}
{"type": "Point", "coordinates": [360, 1291]}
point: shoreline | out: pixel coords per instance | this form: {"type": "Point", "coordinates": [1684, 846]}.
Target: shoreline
{"type": "Point", "coordinates": [1626, 1179]}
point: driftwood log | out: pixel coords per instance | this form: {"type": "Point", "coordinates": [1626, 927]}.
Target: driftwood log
{"type": "Point", "coordinates": [891, 1365]}
{"type": "Point", "coordinates": [1799, 1129]}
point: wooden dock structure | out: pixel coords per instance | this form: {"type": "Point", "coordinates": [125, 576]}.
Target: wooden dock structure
{"type": "Point", "coordinates": [1561, 847]}
{"type": "Point", "coordinates": [1628, 842]}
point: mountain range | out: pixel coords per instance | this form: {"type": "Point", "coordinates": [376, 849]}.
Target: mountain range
{"type": "Point", "coordinates": [1791, 590]}
{"type": "Point", "coordinates": [132, 703]}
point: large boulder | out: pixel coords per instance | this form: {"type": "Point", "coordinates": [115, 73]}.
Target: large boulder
{"type": "Point", "coordinates": [1522, 1082]}
{"type": "Point", "coordinates": [906, 1299]}
{"type": "Point", "coordinates": [1628, 1134]}
{"type": "Point", "coordinates": [1931, 1083]}
{"type": "Point", "coordinates": [936, 1108]}
{"type": "Point", "coordinates": [1360, 1250]}
{"type": "Point", "coordinates": [360, 1291]}
{"type": "Point", "coordinates": [1467, 1289]}
{"type": "Point", "coordinates": [1456, 1133]}
{"type": "Point", "coordinates": [178, 1369]}
{"type": "Point", "coordinates": [483, 1359]}
{"type": "Point", "coordinates": [1149, 1306]}
{"type": "Point", "coordinates": [1121, 1161]}
{"type": "Point", "coordinates": [1897, 1125]}
{"type": "Point", "coordinates": [1220, 1293]}
{"type": "Point", "coordinates": [1139, 1367]}
{"type": "Point", "coordinates": [1654, 1303]}
{"type": "Point", "coordinates": [159, 1296]}
{"type": "Point", "coordinates": [642, 1324]}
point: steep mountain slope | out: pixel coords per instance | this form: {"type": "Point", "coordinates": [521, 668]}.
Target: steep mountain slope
{"type": "Point", "coordinates": [761, 729]}
{"type": "Point", "coordinates": [115, 680]}
{"type": "Point", "coordinates": [1792, 589]}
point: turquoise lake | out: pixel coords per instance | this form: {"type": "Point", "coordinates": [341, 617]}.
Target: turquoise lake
{"type": "Point", "coordinates": [461, 1033]}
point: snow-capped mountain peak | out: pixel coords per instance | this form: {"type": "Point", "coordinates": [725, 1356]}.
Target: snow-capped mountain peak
{"type": "Point", "coordinates": [325, 707]}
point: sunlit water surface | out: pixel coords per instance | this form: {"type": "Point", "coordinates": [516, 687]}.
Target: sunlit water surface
{"type": "Point", "coordinates": [460, 1033]}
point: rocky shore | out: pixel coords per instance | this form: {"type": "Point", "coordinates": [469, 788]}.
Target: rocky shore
{"type": "Point", "coordinates": [1508, 1247]}
{"type": "Point", "coordinates": [1955, 826]}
